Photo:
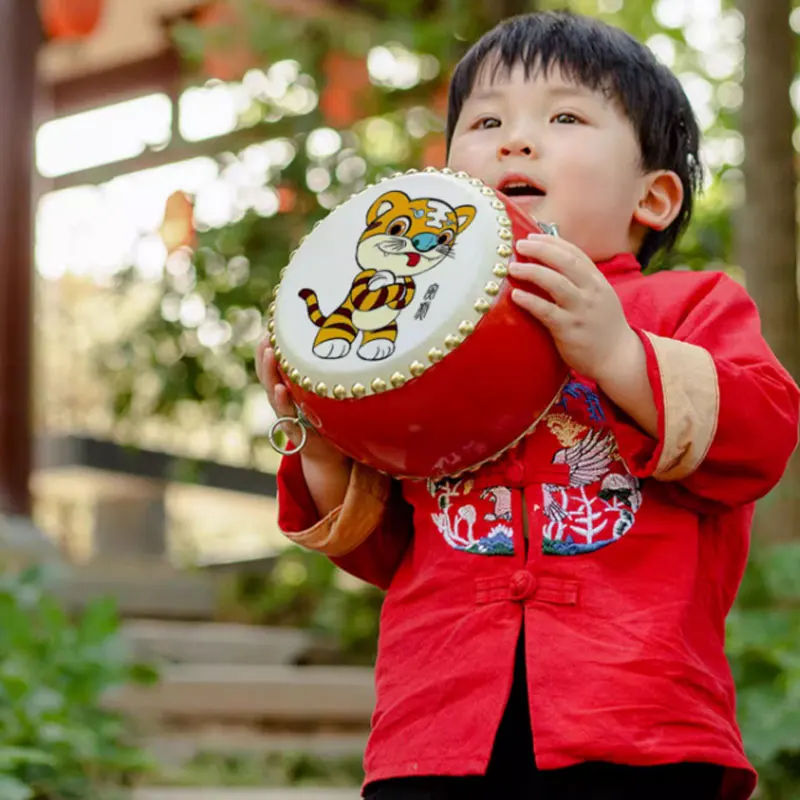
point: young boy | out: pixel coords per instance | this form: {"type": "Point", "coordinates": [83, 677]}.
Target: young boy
{"type": "Point", "coordinates": [589, 663]}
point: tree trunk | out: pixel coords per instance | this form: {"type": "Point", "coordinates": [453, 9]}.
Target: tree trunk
{"type": "Point", "coordinates": [20, 36]}
{"type": "Point", "coordinates": [767, 229]}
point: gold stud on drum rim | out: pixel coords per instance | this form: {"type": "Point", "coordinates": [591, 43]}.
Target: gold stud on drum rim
{"type": "Point", "coordinates": [499, 205]}
{"type": "Point", "coordinates": [466, 328]}
{"type": "Point", "coordinates": [504, 220]}
{"type": "Point", "coordinates": [451, 342]}
{"type": "Point", "coordinates": [271, 326]}
{"type": "Point", "coordinates": [271, 309]}
{"type": "Point", "coordinates": [482, 305]}
{"type": "Point", "coordinates": [339, 392]}
{"type": "Point", "coordinates": [273, 340]}
{"type": "Point", "coordinates": [321, 389]}
{"type": "Point", "coordinates": [505, 234]}
{"type": "Point", "coordinates": [500, 270]}
{"type": "Point", "coordinates": [492, 289]}
{"type": "Point", "coordinates": [278, 354]}
{"type": "Point", "coordinates": [307, 384]}
{"type": "Point", "coordinates": [398, 379]}
{"type": "Point", "coordinates": [435, 354]}
{"type": "Point", "coordinates": [487, 191]}
{"type": "Point", "coordinates": [416, 369]}
{"type": "Point", "coordinates": [462, 175]}
{"type": "Point", "coordinates": [378, 385]}
{"type": "Point", "coordinates": [504, 251]}
{"type": "Point", "coordinates": [294, 375]}
{"type": "Point", "coordinates": [358, 390]}
{"type": "Point", "coordinates": [285, 366]}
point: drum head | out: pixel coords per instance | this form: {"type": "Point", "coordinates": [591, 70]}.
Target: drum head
{"type": "Point", "coordinates": [390, 282]}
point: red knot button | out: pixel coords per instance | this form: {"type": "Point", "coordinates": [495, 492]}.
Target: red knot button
{"type": "Point", "coordinates": [515, 472]}
{"type": "Point", "coordinates": [523, 585]}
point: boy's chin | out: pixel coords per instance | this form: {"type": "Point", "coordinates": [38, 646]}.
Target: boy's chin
{"type": "Point", "coordinates": [532, 206]}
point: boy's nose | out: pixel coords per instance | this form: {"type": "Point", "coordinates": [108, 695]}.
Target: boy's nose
{"type": "Point", "coordinates": [517, 147]}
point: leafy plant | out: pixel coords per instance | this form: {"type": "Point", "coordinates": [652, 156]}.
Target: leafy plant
{"type": "Point", "coordinates": [764, 649]}
{"type": "Point", "coordinates": [57, 742]}
{"type": "Point", "coordinates": [305, 590]}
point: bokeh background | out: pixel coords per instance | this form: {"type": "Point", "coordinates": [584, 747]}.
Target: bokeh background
{"type": "Point", "coordinates": [162, 158]}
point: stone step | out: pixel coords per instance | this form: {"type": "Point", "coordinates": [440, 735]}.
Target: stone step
{"type": "Point", "coordinates": [175, 749]}
{"type": "Point", "coordinates": [141, 589]}
{"type": "Point", "coordinates": [231, 793]}
{"type": "Point", "coordinates": [217, 643]}
{"type": "Point", "coordinates": [308, 695]}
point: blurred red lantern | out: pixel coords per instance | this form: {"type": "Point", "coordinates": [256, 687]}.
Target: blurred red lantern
{"type": "Point", "coordinates": [347, 83]}
{"type": "Point", "coordinates": [287, 198]}
{"type": "Point", "coordinates": [227, 56]}
{"type": "Point", "coordinates": [435, 152]}
{"type": "Point", "coordinates": [440, 101]}
{"type": "Point", "coordinates": [177, 230]}
{"type": "Point", "coordinates": [70, 19]}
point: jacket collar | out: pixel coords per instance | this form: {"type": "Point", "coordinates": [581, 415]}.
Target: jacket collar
{"type": "Point", "coordinates": [624, 265]}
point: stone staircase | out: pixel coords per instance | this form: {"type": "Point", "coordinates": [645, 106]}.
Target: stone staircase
{"type": "Point", "coordinates": [235, 689]}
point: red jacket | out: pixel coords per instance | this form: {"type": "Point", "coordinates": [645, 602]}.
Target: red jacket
{"type": "Point", "coordinates": [636, 550]}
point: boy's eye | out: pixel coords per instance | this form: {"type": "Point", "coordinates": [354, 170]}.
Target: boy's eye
{"type": "Point", "coordinates": [487, 122]}
{"type": "Point", "coordinates": [565, 119]}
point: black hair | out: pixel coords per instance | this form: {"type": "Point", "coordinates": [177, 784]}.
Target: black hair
{"type": "Point", "coordinates": [602, 58]}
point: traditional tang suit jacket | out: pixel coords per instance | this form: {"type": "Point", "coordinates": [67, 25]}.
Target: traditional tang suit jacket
{"type": "Point", "coordinates": [635, 550]}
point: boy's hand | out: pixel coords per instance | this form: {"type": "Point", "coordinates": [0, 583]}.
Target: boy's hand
{"type": "Point", "coordinates": [583, 313]}
{"type": "Point", "coordinates": [316, 448]}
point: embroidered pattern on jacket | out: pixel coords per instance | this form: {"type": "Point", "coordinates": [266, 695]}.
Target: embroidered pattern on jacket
{"type": "Point", "coordinates": [578, 391]}
{"type": "Point", "coordinates": [599, 505]}
{"type": "Point", "coordinates": [459, 522]}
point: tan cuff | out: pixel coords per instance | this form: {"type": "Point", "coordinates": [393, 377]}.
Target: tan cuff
{"type": "Point", "coordinates": [346, 527]}
{"type": "Point", "coordinates": [691, 406]}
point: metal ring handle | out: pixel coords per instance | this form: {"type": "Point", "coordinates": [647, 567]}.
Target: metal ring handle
{"type": "Point", "coordinates": [285, 451]}
{"type": "Point", "coordinates": [550, 228]}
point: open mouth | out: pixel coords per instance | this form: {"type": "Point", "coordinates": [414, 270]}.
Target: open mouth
{"type": "Point", "coordinates": [520, 187]}
{"type": "Point", "coordinates": [413, 259]}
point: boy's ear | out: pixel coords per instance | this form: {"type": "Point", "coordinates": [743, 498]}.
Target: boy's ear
{"type": "Point", "coordinates": [661, 200]}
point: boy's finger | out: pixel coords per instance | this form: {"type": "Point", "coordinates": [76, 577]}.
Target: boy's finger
{"type": "Point", "coordinates": [260, 350]}
{"type": "Point", "coordinates": [560, 255]}
{"type": "Point", "coordinates": [560, 288]}
{"type": "Point", "coordinates": [283, 401]}
{"type": "Point", "coordinates": [269, 375]}
{"type": "Point", "coordinates": [549, 314]}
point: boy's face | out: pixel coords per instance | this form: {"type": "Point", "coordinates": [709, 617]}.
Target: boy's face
{"type": "Point", "coordinates": [570, 151]}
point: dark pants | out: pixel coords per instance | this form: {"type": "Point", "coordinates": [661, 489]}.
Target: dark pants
{"type": "Point", "coordinates": [512, 771]}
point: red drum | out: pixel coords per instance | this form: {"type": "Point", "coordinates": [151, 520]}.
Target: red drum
{"type": "Point", "coordinates": [396, 334]}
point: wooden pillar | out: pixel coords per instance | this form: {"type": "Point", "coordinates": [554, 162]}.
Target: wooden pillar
{"type": "Point", "coordinates": [20, 37]}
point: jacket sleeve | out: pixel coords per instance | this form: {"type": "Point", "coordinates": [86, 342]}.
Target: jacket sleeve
{"type": "Point", "coordinates": [366, 536]}
{"type": "Point", "coordinates": [727, 409]}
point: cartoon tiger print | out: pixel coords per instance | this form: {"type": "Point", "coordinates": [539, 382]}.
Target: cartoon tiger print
{"type": "Point", "coordinates": [403, 239]}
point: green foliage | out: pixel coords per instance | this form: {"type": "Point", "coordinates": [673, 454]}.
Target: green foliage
{"type": "Point", "coordinates": [56, 741]}
{"type": "Point", "coordinates": [306, 590]}
{"type": "Point", "coordinates": [764, 649]}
